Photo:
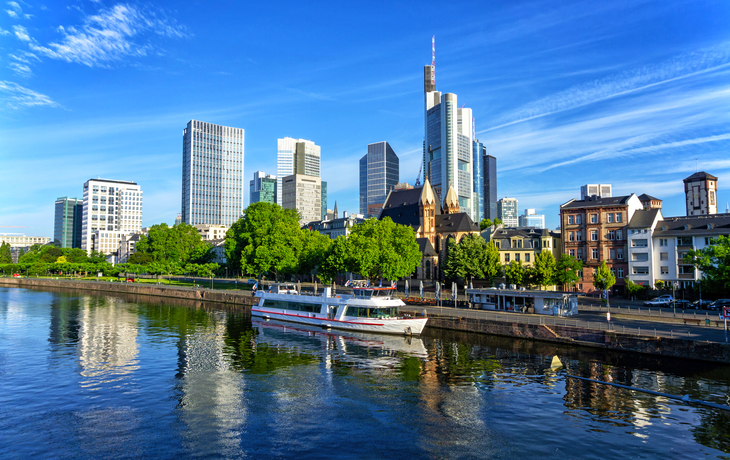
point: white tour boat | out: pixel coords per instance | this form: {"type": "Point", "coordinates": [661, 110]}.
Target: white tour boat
{"type": "Point", "coordinates": [367, 309]}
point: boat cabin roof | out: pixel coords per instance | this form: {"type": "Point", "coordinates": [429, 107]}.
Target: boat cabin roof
{"type": "Point", "coordinates": [283, 288]}
{"type": "Point", "coordinates": [368, 292]}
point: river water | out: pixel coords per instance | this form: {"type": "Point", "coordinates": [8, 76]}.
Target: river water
{"type": "Point", "coordinates": [85, 376]}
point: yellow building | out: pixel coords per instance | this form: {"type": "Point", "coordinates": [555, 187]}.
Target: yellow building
{"type": "Point", "coordinates": [523, 244]}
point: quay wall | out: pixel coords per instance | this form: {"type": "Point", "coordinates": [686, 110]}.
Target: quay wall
{"type": "Point", "coordinates": [663, 346]}
{"type": "Point", "coordinates": [159, 290]}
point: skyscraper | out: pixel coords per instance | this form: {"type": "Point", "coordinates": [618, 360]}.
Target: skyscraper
{"type": "Point", "coordinates": [67, 222]}
{"type": "Point", "coordinates": [508, 211]}
{"type": "Point", "coordinates": [478, 203]}
{"type": "Point", "coordinates": [263, 188]}
{"type": "Point", "coordinates": [112, 209]}
{"type": "Point", "coordinates": [379, 171]}
{"type": "Point", "coordinates": [212, 185]}
{"type": "Point", "coordinates": [489, 164]}
{"type": "Point", "coordinates": [530, 219]}
{"type": "Point", "coordinates": [448, 149]}
{"type": "Point", "coordinates": [323, 201]}
{"type": "Point", "coordinates": [295, 156]}
{"type": "Point", "coordinates": [304, 194]}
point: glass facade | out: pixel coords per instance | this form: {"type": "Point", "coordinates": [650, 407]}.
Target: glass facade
{"type": "Point", "coordinates": [68, 222]}
{"type": "Point", "coordinates": [478, 178]}
{"type": "Point", "coordinates": [489, 170]}
{"type": "Point", "coordinates": [212, 174]}
{"type": "Point", "coordinates": [110, 206]}
{"type": "Point", "coordinates": [262, 188]}
{"type": "Point", "coordinates": [295, 156]}
{"type": "Point", "coordinates": [379, 173]}
{"type": "Point", "coordinates": [323, 190]}
{"type": "Point", "coordinates": [508, 211]}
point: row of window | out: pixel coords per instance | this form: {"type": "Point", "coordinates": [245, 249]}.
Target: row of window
{"type": "Point", "coordinates": [613, 253]}
{"type": "Point", "coordinates": [612, 235]}
{"type": "Point", "coordinates": [577, 219]}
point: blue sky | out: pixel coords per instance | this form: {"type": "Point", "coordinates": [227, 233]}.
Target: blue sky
{"type": "Point", "coordinates": [564, 93]}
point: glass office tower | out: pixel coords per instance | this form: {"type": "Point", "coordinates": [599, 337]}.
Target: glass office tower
{"type": "Point", "coordinates": [489, 167]}
{"type": "Point", "coordinates": [67, 222]}
{"type": "Point", "coordinates": [263, 188]}
{"type": "Point", "coordinates": [379, 173]}
{"type": "Point", "coordinates": [212, 185]}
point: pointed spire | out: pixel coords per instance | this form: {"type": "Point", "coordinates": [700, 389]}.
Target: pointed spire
{"type": "Point", "coordinates": [335, 210]}
{"type": "Point", "coordinates": [451, 202]}
{"type": "Point", "coordinates": [427, 197]}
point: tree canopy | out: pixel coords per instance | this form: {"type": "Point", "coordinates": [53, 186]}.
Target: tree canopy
{"type": "Point", "coordinates": [544, 269]}
{"type": "Point", "coordinates": [6, 257]}
{"type": "Point", "coordinates": [514, 272]}
{"type": "Point", "coordinates": [471, 258]}
{"type": "Point", "coordinates": [603, 279]}
{"type": "Point", "coordinates": [566, 270]}
{"type": "Point", "coordinates": [485, 223]}
{"type": "Point", "coordinates": [382, 248]}
{"type": "Point", "coordinates": [180, 244]}
{"type": "Point", "coordinates": [714, 262]}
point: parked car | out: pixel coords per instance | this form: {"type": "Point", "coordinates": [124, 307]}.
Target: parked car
{"type": "Point", "coordinates": [681, 303]}
{"type": "Point", "coordinates": [700, 304]}
{"type": "Point", "coordinates": [719, 304]}
{"type": "Point", "coordinates": [661, 301]}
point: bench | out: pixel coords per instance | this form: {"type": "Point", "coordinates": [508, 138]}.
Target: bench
{"type": "Point", "coordinates": [696, 321]}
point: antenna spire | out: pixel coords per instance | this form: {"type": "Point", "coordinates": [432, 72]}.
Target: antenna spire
{"type": "Point", "coordinates": [433, 61]}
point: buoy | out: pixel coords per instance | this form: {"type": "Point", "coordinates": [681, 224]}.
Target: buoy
{"type": "Point", "coordinates": [556, 364]}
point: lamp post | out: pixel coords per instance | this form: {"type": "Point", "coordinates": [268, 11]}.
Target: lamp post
{"type": "Point", "coordinates": [674, 302]}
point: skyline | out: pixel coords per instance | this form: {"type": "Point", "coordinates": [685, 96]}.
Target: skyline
{"type": "Point", "coordinates": [559, 92]}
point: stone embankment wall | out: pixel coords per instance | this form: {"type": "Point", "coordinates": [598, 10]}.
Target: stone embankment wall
{"type": "Point", "coordinates": [681, 348]}
{"type": "Point", "coordinates": [199, 294]}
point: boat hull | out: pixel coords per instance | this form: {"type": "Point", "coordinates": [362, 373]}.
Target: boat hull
{"type": "Point", "coordinates": [413, 326]}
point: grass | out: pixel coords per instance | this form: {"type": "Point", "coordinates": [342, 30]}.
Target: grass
{"type": "Point", "coordinates": [206, 284]}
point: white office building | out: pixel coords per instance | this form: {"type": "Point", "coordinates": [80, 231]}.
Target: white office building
{"type": "Point", "coordinates": [295, 156]}
{"type": "Point", "coordinates": [599, 190]}
{"type": "Point", "coordinates": [530, 219]}
{"type": "Point", "coordinates": [112, 208]}
{"type": "Point", "coordinates": [303, 193]}
{"type": "Point", "coordinates": [508, 211]}
{"type": "Point", "coordinates": [212, 185]}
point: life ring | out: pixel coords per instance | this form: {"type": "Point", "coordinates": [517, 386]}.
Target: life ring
{"type": "Point", "coordinates": [337, 297]}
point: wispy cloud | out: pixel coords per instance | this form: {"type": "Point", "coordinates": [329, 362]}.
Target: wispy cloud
{"type": "Point", "coordinates": [680, 67]}
{"type": "Point", "coordinates": [110, 36]}
{"type": "Point", "coordinates": [20, 96]}
{"type": "Point", "coordinates": [4, 32]}
{"type": "Point", "coordinates": [21, 69]}
{"type": "Point", "coordinates": [22, 33]}
{"type": "Point", "coordinates": [12, 13]}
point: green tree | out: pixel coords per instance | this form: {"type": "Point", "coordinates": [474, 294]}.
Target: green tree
{"type": "Point", "coordinates": [266, 239]}
{"type": "Point", "coordinates": [566, 270]}
{"type": "Point", "coordinates": [49, 254]}
{"type": "Point", "coordinates": [467, 259]}
{"type": "Point", "coordinates": [632, 288]}
{"type": "Point", "coordinates": [140, 258]}
{"type": "Point", "coordinates": [180, 244]}
{"type": "Point", "coordinates": [337, 260]}
{"type": "Point", "coordinates": [498, 221]}
{"type": "Point", "coordinates": [485, 223]}
{"type": "Point", "coordinates": [315, 248]}
{"type": "Point", "coordinates": [514, 272]}
{"type": "Point", "coordinates": [545, 268]}
{"type": "Point", "coordinates": [382, 248]}
{"type": "Point", "coordinates": [6, 257]}
{"type": "Point", "coordinates": [75, 255]}
{"type": "Point", "coordinates": [659, 284]}
{"type": "Point", "coordinates": [96, 257]}
{"type": "Point", "coordinates": [492, 262]}
{"type": "Point", "coordinates": [714, 262]}
{"type": "Point", "coordinates": [603, 279]}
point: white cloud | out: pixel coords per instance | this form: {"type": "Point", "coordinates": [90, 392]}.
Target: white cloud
{"type": "Point", "coordinates": [14, 5]}
{"type": "Point", "coordinates": [12, 13]}
{"type": "Point", "coordinates": [21, 69]}
{"type": "Point", "coordinates": [4, 32]}
{"type": "Point", "coordinates": [109, 36]}
{"type": "Point", "coordinates": [19, 96]}
{"type": "Point", "coordinates": [22, 33]}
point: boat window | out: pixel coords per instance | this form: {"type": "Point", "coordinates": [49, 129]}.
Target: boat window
{"type": "Point", "coordinates": [363, 312]}
{"type": "Point", "coordinates": [296, 306]}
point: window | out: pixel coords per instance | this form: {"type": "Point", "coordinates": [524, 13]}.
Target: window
{"type": "Point", "coordinates": [610, 218]}
{"type": "Point", "coordinates": [620, 253]}
{"type": "Point", "coordinates": [517, 257]}
{"type": "Point", "coordinates": [579, 255]}
{"type": "Point", "coordinates": [639, 243]}
{"type": "Point", "coordinates": [641, 270]}
{"type": "Point", "coordinates": [580, 276]}
{"type": "Point", "coordinates": [709, 241]}
{"type": "Point", "coordinates": [664, 256]}
{"type": "Point", "coordinates": [619, 234]}
{"type": "Point", "coordinates": [571, 220]}
{"type": "Point", "coordinates": [506, 256]}
{"type": "Point", "coordinates": [571, 236]}
{"type": "Point", "coordinates": [594, 235]}
{"type": "Point", "coordinates": [595, 254]}
{"type": "Point", "coordinates": [665, 270]}
{"type": "Point", "coordinates": [619, 219]}
{"type": "Point", "coordinates": [571, 252]}
{"type": "Point", "coordinates": [684, 241]}
{"type": "Point", "coordinates": [594, 218]}
{"type": "Point", "coordinates": [639, 257]}
{"type": "Point", "coordinates": [686, 270]}
{"type": "Point", "coordinates": [578, 219]}
{"type": "Point", "coordinates": [620, 273]}
{"type": "Point", "coordinates": [527, 257]}
{"type": "Point", "coordinates": [578, 236]}
{"type": "Point", "coordinates": [612, 254]}
{"type": "Point", "coordinates": [662, 241]}
{"type": "Point", "coordinates": [611, 235]}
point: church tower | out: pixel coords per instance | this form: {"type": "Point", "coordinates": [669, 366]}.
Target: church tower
{"type": "Point", "coordinates": [451, 203]}
{"type": "Point", "coordinates": [700, 190]}
{"type": "Point", "coordinates": [427, 212]}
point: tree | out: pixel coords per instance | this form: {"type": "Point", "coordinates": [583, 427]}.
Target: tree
{"type": "Point", "coordinates": [603, 279]}
{"type": "Point", "coordinates": [659, 284]}
{"type": "Point", "coordinates": [492, 262]}
{"type": "Point", "coordinates": [514, 272]}
{"type": "Point", "coordinates": [75, 255]}
{"type": "Point", "coordinates": [6, 257]}
{"type": "Point", "coordinates": [140, 258]}
{"type": "Point", "coordinates": [266, 239]}
{"type": "Point", "coordinates": [467, 259]}
{"type": "Point", "coordinates": [545, 268]}
{"type": "Point", "coordinates": [485, 223]}
{"type": "Point", "coordinates": [498, 221]}
{"type": "Point", "coordinates": [180, 244]}
{"type": "Point", "coordinates": [382, 248]}
{"type": "Point", "coordinates": [315, 247]}
{"type": "Point", "coordinates": [714, 262]}
{"type": "Point", "coordinates": [336, 260]}
{"type": "Point", "coordinates": [633, 288]}
{"type": "Point", "coordinates": [566, 270]}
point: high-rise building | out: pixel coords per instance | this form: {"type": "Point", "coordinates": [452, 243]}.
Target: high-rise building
{"type": "Point", "coordinates": [295, 156]}
{"type": "Point", "coordinates": [263, 188]}
{"type": "Point", "coordinates": [530, 219]}
{"type": "Point", "coordinates": [489, 164]}
{"type": "Point", "coordinates": [448, 144]}
{"type": "Point", "coordinates": [303, 193]}
{"type": "Point", "coordinates": [212, 185]}
{"type": "Point", "coordinates": [323, 208]}
{"type": "Point", "coordinates": [478, 198]}
{"type": "Point", "coordinates": [700, 190]}
{"type": "Point", "coordinates": [112, 208]}
{"type": "Point", "coordinates": [599, 190]}
{"type": "Point", "coordinates": [67, 222]}
{"type": "Point", "coordinates": [379, 171]}
{"type": "Point", "coordinates": [508, 211]}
